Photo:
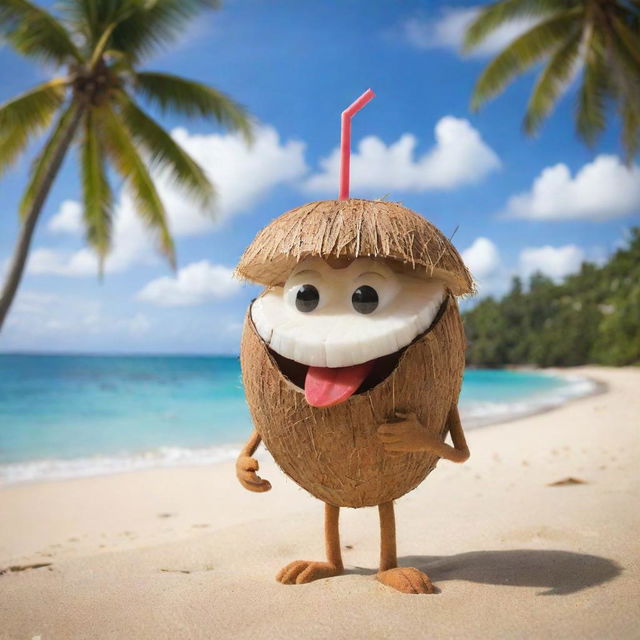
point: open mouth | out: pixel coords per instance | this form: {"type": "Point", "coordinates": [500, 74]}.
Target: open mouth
{"type": "Point", "coordinates": [328, 386]}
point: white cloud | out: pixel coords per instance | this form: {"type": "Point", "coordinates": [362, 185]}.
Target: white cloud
{"type": "Point", "coordinates": [132, 244]}
{"type": "Point", "coordinates": [47, 261]}
{"type": "Point", "coordinates": [448, 29]}
{"type": "Point", "coordinates": [195, 284]}
{"type": "Point", "coordinates": [459, 157]}
{"type": "Point", "coordinates": [555, 262]}
{"type": "Point", "coordinates": [601, 190]}
{"type": "Point", "coordinates": [29, 302]}
{"type": "Point", "coordinates": [484, 261]}
{"type": "Point", "coordinates": [493, 276]}
{"type": "Point", "coordinates": [60, 263]}
{"type": "Point", "coordinates": [68, 219]}
{"type": "Point", "coordinates": [43, 318]}
{"type": "Point", "coordinates": [242, 176]}
{"type": "Point", "coordinates": [482, 258]}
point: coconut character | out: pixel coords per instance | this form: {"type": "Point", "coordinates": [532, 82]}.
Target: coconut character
{"type": "Point", "coordinates": [352, 360]}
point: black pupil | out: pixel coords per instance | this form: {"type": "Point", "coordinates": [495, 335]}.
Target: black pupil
{"type": "Point", "coordinates": [307, 298]}
{"type": "Point", "coordinates": [365, 299]}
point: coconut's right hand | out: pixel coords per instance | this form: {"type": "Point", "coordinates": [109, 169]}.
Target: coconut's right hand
{"type": "Point", "coordinates": [246, 468]}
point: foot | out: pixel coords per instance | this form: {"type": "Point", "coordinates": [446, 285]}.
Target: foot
{"type": "Point", "coordinates": [406, 580]}
{"type": "Point", "coordinates": [303, 571]}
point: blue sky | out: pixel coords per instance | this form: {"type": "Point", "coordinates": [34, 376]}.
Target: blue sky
{"type": "Point", "coordinates": [518, 203]}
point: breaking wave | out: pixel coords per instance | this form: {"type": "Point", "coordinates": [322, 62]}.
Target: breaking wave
{"type": "Point", "coordinates": [475, 413]}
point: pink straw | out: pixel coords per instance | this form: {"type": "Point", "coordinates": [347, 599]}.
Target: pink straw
{"type": "Point", "coordinates": [345, 141]}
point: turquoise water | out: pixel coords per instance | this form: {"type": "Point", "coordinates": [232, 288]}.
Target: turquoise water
{"type": "Point", "coordinates": [76, 415]}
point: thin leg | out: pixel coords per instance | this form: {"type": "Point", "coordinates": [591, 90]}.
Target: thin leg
{"type": "Point", "coordinates": [388, 555]}
{"type": "Point", "coordinates": [404, 579]}
{"type": "Point", "coordinates": [332, 535]}
{"type": "Point", "coordinates": [302, 571]}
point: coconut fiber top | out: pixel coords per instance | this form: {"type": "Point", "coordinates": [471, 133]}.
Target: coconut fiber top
{"type": "Point", "coordinates": [352, 228]}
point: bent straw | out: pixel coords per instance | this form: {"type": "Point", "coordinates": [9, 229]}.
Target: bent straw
{"type": "Point", "coordinates": [345, 141]}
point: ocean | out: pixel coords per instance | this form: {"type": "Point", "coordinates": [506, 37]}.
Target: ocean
{"type": "Point", "coordinates": [77, 415]}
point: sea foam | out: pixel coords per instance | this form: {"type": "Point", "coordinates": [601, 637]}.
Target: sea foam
{"type": "Point", "coordinates": [58, 469]}
{"type": "Point", "coordinates": [479, 413]}
{"type": "Point", "coordinates": [500, 405]}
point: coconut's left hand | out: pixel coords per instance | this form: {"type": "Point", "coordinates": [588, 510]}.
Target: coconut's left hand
{"type": "Point", "coordinates": [407, 434]}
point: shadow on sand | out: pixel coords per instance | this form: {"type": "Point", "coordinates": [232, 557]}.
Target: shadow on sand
{"type": "Point", "coordinates": [556, 572]}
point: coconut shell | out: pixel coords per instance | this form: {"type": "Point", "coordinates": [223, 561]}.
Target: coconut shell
{"type": "Point", "coordinates": [334, 228]}
{"type": "Point", "coordinates": [334, 452]}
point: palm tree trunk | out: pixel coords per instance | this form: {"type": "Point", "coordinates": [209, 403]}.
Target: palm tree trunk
{"type": "Point", "coordinates": [21, 251]}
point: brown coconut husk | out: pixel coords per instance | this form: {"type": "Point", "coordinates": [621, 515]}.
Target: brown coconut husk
{"type": "Point", "coordinates": [334, 452]}
{"type": "Point", "coordinates": [352, 228]}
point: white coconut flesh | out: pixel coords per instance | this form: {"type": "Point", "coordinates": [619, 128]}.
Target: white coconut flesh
{"type": "Point", "coordinates": [339, 321]}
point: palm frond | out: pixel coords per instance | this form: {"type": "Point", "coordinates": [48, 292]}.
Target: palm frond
{"type": "Point", "coordinates": [96, 191]}
{"type": "Point", "coordinates": [191, 98]}
{"type": "Point", "coordinates": [34, 32]}
{"type": "Point", "coordinates": [552, 81]}
{"type": "Point", "coordinates": [27, 115]}
{"type": "Point", "coordinates": [121, 150]}
{"type": "Point", "coordinates": [630, 135]}
{"type": "Point", "coordinates": [92, 19]}
{"type": "Point", "coordinates": [42, 163]}
{"type": "Point", "coordinates": [164, 152]}
{"type": "Point", "coordinates": [623, 50]}
{"type": "Point", "coordinates": [624, 54]}
{"type": "Point", "coordinates": [497, 14]}
{"type": "Point", "coordinates": [628, 38]}
{"type": "Point", "coordinates": [155, 24]}
{"type": "Point", "coordinates": [540, 41]}
{"type": "Point", "coordinates": [593, 94]}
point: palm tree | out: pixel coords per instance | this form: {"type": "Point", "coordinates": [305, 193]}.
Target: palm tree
{"type": "Point", "coordinates": [98, 45]}
{"type": "Point", "coordinates": [600, 39]}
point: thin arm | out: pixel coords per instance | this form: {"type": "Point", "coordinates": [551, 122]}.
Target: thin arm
{"type": "Point", "coordinates": [252, 444]}
{"type": "Point", "coordinates": [460, 451]}
{"type": "Point", "coordinates": [246, 466]}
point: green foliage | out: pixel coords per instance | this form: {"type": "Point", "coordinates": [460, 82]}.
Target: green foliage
{"type": "Point", "coordinates": [26, 116]}
{"type": "Point", "coordinates": [522, 54]}
{"type": "Point", "coordinates": [100, 44]}
{"type": "Point", "coordinates": [138, 27]}
{"type": "Point", "coordinates": [193, 99]}
{"type": "Point", "coordinates": [600, 39]}
{"type": "Point", "coordinates": [164, 152]}
{"type": "Point", "coordinates": [35, 33]}
{"type": "Point", "coordinates": [498, 13]}
{"type": "Point", "coordinates": [591, 317]}
{"type": "Point", "coordinates": [121, 151]}
{"type": "Point", "coordinates": [44, 159]}
{"type": "Point", "coordinates": [96, 190]}
{"type": "Point", "coordinates": [551, 83]}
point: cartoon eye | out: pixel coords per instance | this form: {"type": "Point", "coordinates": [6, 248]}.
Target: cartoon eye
{"type": "Point", "coordinates": [307, 298]}
{"type": "Point", "coordinates": [365, 299]}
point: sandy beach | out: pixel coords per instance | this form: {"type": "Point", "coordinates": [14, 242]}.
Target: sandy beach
{"type": "Point", "coordinates": [536, 536]}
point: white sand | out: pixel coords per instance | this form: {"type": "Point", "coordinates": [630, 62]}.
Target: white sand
{"type": "Point", "coordinates": [187, 553]}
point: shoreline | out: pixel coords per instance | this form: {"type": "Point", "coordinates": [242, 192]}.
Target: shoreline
{"type": "Point", "coordinates": [598, 387]}
{"type": "Point", "coordinates": [38, 471]}
{"type": "Point", "coordinates": [542, 508]}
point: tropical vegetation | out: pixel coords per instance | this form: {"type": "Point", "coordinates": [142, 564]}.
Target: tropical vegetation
{"type": "Point", "coordinates": [597, 40]}
{"type": "Point", "coordinates": [592, 316]}
{"type": "Point", "coordinates": [97, 46]}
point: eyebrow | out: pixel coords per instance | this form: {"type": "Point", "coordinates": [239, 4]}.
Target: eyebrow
{"type": "Point", "coordinates": [307, 271]}
{"type": "Point", "coordinates": [372, 273]}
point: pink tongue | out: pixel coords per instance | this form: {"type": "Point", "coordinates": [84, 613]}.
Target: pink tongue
{"type": "Point", "coordinates": [324, 387]}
